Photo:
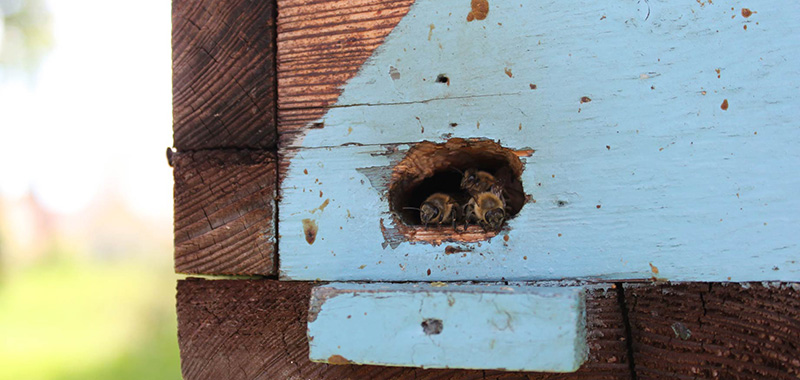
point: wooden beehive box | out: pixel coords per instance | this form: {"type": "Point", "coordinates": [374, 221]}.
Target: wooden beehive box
{"type": "Point", "coordinates": [653, 141]}
{"type": "Point", "coordinates": [648, 139]}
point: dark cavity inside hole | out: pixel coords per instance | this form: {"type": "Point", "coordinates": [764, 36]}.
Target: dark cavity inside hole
{"type": "Point", "coordinates": [432, 326]}
{"type": "Point", "coordinates": [437, 168]}
{"type": "Point", "coordinates": [442, 79]}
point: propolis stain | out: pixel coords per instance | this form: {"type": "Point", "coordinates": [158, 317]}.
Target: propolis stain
{"type": "Point", "coordinates": [310, 229]}
{"type": "Point", "coordinates": [480, 8]}
{"type": "Point", "coordinates": [338, 359]}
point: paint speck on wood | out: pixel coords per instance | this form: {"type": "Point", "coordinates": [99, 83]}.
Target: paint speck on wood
{"type": "Point", "coordinates": [586, 99]}
{"type": "Point", "coordinates": [724, 105]}
{"type": "Point", "coordinates": [533, 86]}
{"type": "Point", "coordinates": [746, 13]}
{"type": "Point", "coordinates": [323, 205]}
{"type": "Point", "coordinates": [681, 331]}
{"type": "Point", "coordinates": [310, 230]}
{"type": "Point", "coordinates": [480, 8]}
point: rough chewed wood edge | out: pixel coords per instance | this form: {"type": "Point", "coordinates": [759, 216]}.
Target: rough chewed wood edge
{"type": "Point", "coordinates": [321, 45]}
{"type": "Point", "coordinates": [256, 329]}
{"type": "Point", "coordinates": [224, 83]}
{"type": "Point", "coordinates": [225, 212]}
{"type": "Point", "coordinates": [715, 331]}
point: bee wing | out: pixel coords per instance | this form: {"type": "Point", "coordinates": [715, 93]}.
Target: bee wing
{"type": "Point", "coordinates": [499, 193]}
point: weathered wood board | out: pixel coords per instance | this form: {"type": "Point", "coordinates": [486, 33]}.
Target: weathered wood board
{"type": "Point", "coordinates": [715, 331]}
{"type": "Point", "coordinates": [508, 327]}
{"type": "Point", "coordinates": [225, 212]}
{"type": "Point", "coordinates": [223, 73]}
{"type": "Point", "coordinates": [256, 329]}
{"type": "Point", "coordinates": [664, 135]}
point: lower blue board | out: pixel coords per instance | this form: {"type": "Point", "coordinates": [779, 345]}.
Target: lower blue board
{"type": "Point", "coordinates": [441, 325]}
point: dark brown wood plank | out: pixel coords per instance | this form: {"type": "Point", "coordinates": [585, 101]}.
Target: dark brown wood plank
{"type": "Point", "coordinates": [224, 212]}
{"type": "Point", "coordinates": [715, 331]}
{"type": "Point", "coordinates": [256, 329]}
{"type": "Point", "coordinates": [223, 65]}
{"type": "Point", "coordinates": [321, 45]}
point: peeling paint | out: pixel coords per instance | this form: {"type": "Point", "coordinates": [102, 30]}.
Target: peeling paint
{"type": "Point", "coordinates": [394, 74]}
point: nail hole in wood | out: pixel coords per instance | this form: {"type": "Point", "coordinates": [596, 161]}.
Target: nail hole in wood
{"type": "Point", "coordinates": [432, 326]}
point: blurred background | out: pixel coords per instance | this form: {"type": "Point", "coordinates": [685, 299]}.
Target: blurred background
{"type": "Point", "coordinates": [87, 289]}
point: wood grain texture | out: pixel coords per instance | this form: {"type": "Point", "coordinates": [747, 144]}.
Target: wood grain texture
{"type": "Point", "coordinates": [715, 331]}
{"type": "Point", "coordinates": [321, 45]}
{"type": "Point", "coordinates": [224, 212]}
{"type": "Point", "coordinates": [256, 329]}
{"type": "Point", "coordinates": [223, 74]}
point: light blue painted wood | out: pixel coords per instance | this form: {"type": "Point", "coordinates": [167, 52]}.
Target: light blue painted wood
{"type": "Point", "coordinates": [688, 191]}
{"type": "Point", "coordinates": [489, 327]}
{"type": "Point", "coordinates": [649, 215]}
{"type": "Point", "coordinates": [607, 51]}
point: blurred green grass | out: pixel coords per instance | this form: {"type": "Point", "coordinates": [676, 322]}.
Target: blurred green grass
{"type": "Point", "coordinates": [71, 319]}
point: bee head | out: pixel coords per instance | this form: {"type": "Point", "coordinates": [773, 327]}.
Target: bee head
{"type": "Point", "coordinates": [428, 212]}
{"type": "Point", "coordinates": [495, 217]}
{"type": "Point", "coordinates": [469, 178]}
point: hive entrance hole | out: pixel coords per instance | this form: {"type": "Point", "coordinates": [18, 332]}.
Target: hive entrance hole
{"type": "Point", "coordinates": [438, 168]}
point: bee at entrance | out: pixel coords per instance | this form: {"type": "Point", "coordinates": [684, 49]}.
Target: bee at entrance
{"type": "Point", "coordinates": [461, 182]}
{"type": "Point", "coordinates": [488, 209]}
{"type": "Point", "coordinates": [477, 181]}
{"type": "Point", "coordinates": [439, 208]}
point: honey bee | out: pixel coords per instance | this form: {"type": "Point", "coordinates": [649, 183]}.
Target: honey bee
{"type": "Point", "coordinates": [439, 208]}
{"type": "Point", "coordinates": [477, 181]}
{"type": "Point", "coordinates": [488, 209]}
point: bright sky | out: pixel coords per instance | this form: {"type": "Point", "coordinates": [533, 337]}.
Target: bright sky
{"type": "Point", "coordinates": [99, 112]}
